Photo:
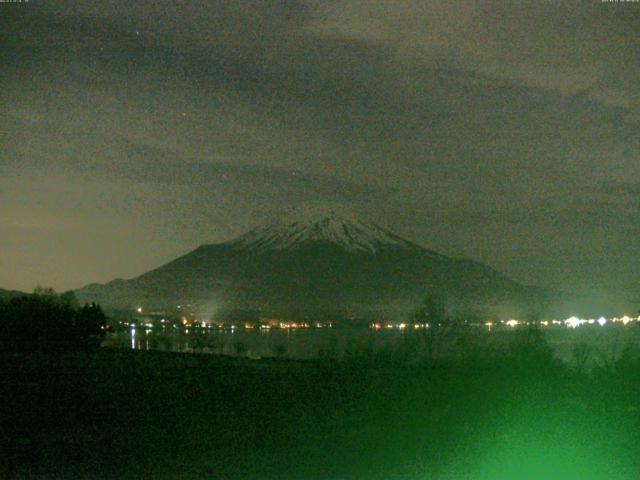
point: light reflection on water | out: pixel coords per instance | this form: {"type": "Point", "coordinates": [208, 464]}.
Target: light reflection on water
{"type": "Point", "coordinates": [336, 343]}
{"type": "Point", "coordinates": [303, 343]}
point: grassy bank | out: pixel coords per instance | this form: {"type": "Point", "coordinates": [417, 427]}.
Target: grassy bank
{"type": "Point", "coordinates": [122, 414]}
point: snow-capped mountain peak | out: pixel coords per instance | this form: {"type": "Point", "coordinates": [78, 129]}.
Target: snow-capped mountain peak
{"type": "Point", "coordinates": [328, 225]}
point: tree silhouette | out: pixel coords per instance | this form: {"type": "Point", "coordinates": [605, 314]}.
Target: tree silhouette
{"type": "Point", "coordinates": [432, 313]}
{"type": "Point", "coordinates": [46, 319]}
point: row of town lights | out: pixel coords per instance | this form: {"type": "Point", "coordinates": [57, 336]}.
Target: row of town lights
{"type": "Point", "coordinates": [571, 322]}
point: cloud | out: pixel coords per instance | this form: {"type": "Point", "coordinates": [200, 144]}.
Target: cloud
{"type": "Point", "coordinates": [624, 190]}
{"type": "Point", "coordinates": [569, 47]}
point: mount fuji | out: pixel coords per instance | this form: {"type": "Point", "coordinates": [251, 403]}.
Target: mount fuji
{"type": "Point", "coordinates": [293, 232]}
{"type": "Point", "coordinates": [314, 264]}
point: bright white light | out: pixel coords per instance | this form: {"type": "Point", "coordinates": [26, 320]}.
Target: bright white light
{"type": "Point", "coordinates": [512, 323]}
{"type": "Point", "coordinates": [139, 309]}
{"type": "Point", "coordinates": [572, 322]}
{"type": "Point", "coordinates": [602, 321]}
{"type": "Point", "coordinates": [625, 320]}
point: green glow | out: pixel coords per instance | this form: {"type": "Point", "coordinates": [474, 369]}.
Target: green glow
{"type": "Point", "coordinates": [524, 461]}
{"type": "Point", "coordinates": [537, 443]}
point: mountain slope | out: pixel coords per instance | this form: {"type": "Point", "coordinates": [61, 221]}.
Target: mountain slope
{"type": "Point", "coordinates": [312, 264]}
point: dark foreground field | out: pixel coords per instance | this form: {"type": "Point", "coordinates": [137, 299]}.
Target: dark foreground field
{"type": "Point", "coordinates": [121, 414]}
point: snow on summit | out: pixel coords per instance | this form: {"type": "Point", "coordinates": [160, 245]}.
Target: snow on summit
{"type": "Point", "coordinates": [329, 225]}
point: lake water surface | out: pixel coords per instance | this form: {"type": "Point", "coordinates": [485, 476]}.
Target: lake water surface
{"type": "Point", "coordinates": [597, 344]}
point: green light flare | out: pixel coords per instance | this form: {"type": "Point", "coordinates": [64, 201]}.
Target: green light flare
{"type": "Point", "coordinates": [539, 443]}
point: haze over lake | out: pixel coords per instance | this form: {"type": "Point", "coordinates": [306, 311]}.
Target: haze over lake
{"type": "Point", "coordinates": [600, 345]}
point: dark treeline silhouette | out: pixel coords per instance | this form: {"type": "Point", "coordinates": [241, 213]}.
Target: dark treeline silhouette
{"type": "Point", "coordinates": [46, 319]}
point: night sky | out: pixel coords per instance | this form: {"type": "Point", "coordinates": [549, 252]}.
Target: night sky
{"type": "Point", "coordinates": [506, 132]}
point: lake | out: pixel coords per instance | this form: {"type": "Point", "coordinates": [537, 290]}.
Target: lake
{"type": "Point", "coordinates": [590, 344]}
